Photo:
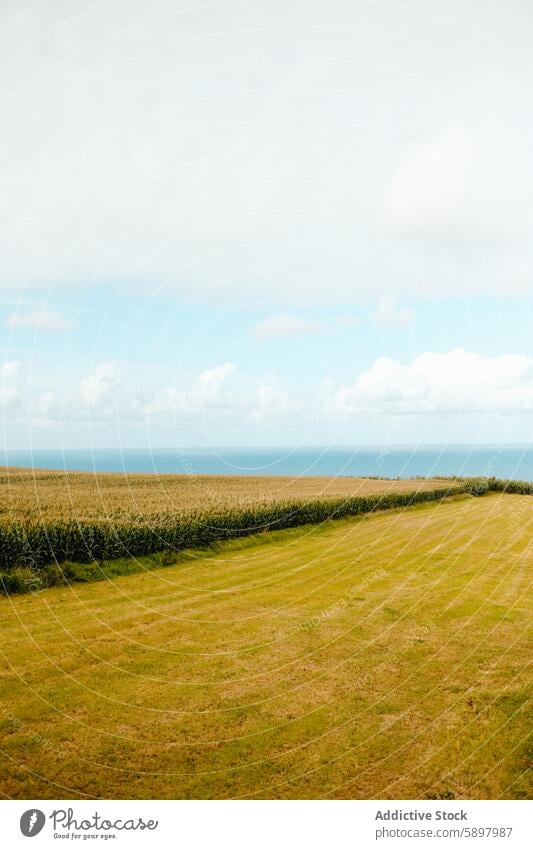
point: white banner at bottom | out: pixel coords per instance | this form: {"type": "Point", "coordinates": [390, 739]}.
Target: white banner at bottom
{"type": "Point", "coordinates": [266, 824]}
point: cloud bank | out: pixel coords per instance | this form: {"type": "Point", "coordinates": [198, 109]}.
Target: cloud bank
{"type": "Point", "coordinates": [455, 382]}
{"type": "Point", "coordinates": [246, 149]}
{"type": "Point", "coordinates": [206, 393]}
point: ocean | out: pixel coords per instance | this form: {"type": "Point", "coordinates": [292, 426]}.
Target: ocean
{"type": "Point", "coordinates": [509, 461]}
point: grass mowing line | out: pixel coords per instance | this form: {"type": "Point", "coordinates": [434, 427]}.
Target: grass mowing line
{"type": "Point", "coordinates": [192, 600]}
{"type": "Point", "coordinates": [295, 533]}
{"type": "Point", "coordinates": [384, 792]}
{"type": "Point", "coordinates": [296, 537]}
{"type": "Point", "coordinates": [415, 672]}
{"type": "Point", "coordinates": [466, 569]}
{"type": "Point", "coordinates": [336, 728]}
{"type": "Point", "coordinates": [494, 553]}
{"type": "Point", "coordinates": [147, 645]}
{"type": "Point", "coordinates": [475, 719]}
{"type": "Point", "coordinates": [509, 718]}
{"type": "Point", "coordinates": [262, 538]}
{"type": "Point", "coordinates": [292, 751]}
{"type": "Point", "coordinates": [143, 644]}
{"type": "Point", "coordinates": [44, 778]}
{"type": "Point", "coordinates": [478, 748]}
{"type": "Point", "coordinates": [298, 659]}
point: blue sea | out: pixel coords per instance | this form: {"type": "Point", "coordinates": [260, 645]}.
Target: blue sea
{"type": "Point", "coordinates": [402, 462]}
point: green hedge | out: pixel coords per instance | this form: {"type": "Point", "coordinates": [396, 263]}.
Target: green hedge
{"type": "Point", "coordinates": [35, 546]}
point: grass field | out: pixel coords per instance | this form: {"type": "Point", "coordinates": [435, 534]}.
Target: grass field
{"type": "Point", "coordinates": [383, 656]}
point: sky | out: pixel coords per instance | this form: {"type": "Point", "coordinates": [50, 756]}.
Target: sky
{"type": "Point", "coordinates": [265, 222]}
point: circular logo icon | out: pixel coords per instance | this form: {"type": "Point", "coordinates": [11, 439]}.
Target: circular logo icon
{"type": "Point", "coordinates": [32, 822]}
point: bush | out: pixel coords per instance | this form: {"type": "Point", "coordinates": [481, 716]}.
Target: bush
{"type": "Point", "coordinates": [20, 579]}
{"type": "Point", "coordinates": [478, 487]}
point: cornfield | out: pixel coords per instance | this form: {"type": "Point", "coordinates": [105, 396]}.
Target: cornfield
{"type": "Point", "coordinates": [46, 497]}
{"type": "Point", "coordinates": [47, 519]}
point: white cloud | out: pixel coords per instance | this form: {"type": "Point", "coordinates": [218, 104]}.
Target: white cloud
{"type": "Point", "coordinates": [287, 325]}
{"type": "Point", "coordinates": [9, 391]}
{"type": "Point", "coordinates": [99, 387]}
{"type": "Point", "coordinates": [209, 385]}
{"type": "Point", "coordinates": [390, 314]}
{"type": "Point", "coordinates": [455, 382]}
{"type": "Point", "coordinates": [40, 320]}
{"type": "Point", "coordinates": [207, 392]}
{"type": "Point", "coordinates": [92, 399]}
{"type": "Point", "coordinates": [270, 400]}
{"type": "Point", "coordinates": [470, 387]}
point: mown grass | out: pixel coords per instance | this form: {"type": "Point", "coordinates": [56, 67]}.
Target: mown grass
{"type": "Point", "coordinates": [384, 656]}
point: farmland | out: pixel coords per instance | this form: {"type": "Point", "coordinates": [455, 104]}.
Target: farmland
{"type": "Point", "coordinates": [49, 519]}
{"type": "Point", "coordinates": [48, 496]}
{"type": "Point", "coordinates": [381, 656]}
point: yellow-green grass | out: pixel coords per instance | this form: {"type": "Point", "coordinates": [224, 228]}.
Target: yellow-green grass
{"type": "Point", "coordinates": [378, 657]}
